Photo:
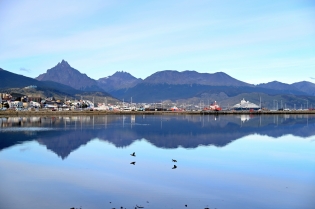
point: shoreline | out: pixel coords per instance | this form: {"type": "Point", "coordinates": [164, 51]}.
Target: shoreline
{"type": "Point", "coordinates": [60, 113]}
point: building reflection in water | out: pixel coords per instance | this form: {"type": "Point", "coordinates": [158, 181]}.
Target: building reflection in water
{"type": "Point", "coordinates": [65, 134]}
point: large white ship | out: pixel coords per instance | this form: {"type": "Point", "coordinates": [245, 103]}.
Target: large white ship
{"type": "Point", "coordinates": [245, 105]}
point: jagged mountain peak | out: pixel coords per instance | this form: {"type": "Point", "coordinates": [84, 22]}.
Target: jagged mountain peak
{"type": "Point", "coordinates": [120, 75]}
{"type": "Point", "coordinates": [65, 74]}
{"type": "Point", "coordinates": [63, 63]}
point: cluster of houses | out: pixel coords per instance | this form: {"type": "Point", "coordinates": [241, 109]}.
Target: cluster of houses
{"type": "Point", "coordinates": [22, 103]}
{"type": "Point", "coordinates": [19, 103]}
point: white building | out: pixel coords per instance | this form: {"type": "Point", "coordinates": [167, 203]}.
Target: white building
{"type": "Point", "coordinates": [31, 87]}
{"type": "Point", "coordinates": [34, 104]}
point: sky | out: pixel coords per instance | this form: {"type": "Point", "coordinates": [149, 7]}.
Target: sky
{"type": "Point", "coordinates": [252, 41]}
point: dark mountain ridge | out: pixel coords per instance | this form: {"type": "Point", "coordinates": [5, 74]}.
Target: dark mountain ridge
{"type": "Point", "coordinates": [193, 77]}
{"type": "Point", "coordinates": [63, 73]}
{"type": "Point", "coordinates": [15, 83]}
{"type": "Point", "coordinates": [12, 80]}
{"type": "Point", "coordinates": [277, 86]}
{"type": "Point", "coordinates": [146, 92]}
{"type": "Point", "coordinates": [187, 85]}
{"type": "Point", "coordinates": [165, 85]}
{"type": "Point", "coordinates": [119, 80]}
{"type": "Point", "coordinates": [305, 86]}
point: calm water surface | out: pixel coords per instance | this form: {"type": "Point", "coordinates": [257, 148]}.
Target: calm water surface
{"type": "Point", "coordinates": [222, 162]}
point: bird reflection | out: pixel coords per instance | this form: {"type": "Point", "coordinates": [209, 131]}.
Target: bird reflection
{"type": "Point", "coordinates": [133, 163]}
{"type": "Point", "coordinates": [174, 167]}
{"type": "Point", "coordinates": [133, 154]}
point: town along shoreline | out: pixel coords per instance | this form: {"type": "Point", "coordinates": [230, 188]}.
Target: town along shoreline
{"type": "Point", "coordinates": [87, 112]}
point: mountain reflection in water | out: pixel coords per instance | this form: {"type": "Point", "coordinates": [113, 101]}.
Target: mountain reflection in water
{"type": "Point", "coordinates": [221, 162]}
{"type": "Point", "coordinates": [63, 135]}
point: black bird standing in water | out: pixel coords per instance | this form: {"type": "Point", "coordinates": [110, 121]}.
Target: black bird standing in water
{"type": "Point", "coordinates": [133, 163]}
{"type": "Point", "coordinates": [133, 154]}
{"type": "Point", "coordinates": [174, 167]}
{"type": "Point", "coordinates": [175, 161]}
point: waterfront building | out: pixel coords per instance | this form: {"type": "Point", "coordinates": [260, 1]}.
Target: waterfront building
{"type": "Point", "coordinates": [31, 87]}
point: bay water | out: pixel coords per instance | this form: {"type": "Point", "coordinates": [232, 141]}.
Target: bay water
{"type": "Point", "coordinates": [181, 161]}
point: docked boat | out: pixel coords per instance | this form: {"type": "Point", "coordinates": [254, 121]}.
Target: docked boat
{"type": "Point", "coordinates": [246, 105]}
{"type": "Point", "coordinates": [213, 107]}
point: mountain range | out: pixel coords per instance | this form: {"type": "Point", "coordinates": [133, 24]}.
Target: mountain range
{"type": "Point", "coordinates": [12, 80]}
{"type": "Point", "coordinates": [307, 87]}
{"type": "Point", "coordinates": [15, 83]}
{"type": "Point", "coordinates": [167, 85]}
{"type": "Point", "coordinates": [192, 77]}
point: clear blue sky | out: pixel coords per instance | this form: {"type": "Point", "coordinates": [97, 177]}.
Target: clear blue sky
{"type": "Point", "coordinates": [253, 41]}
